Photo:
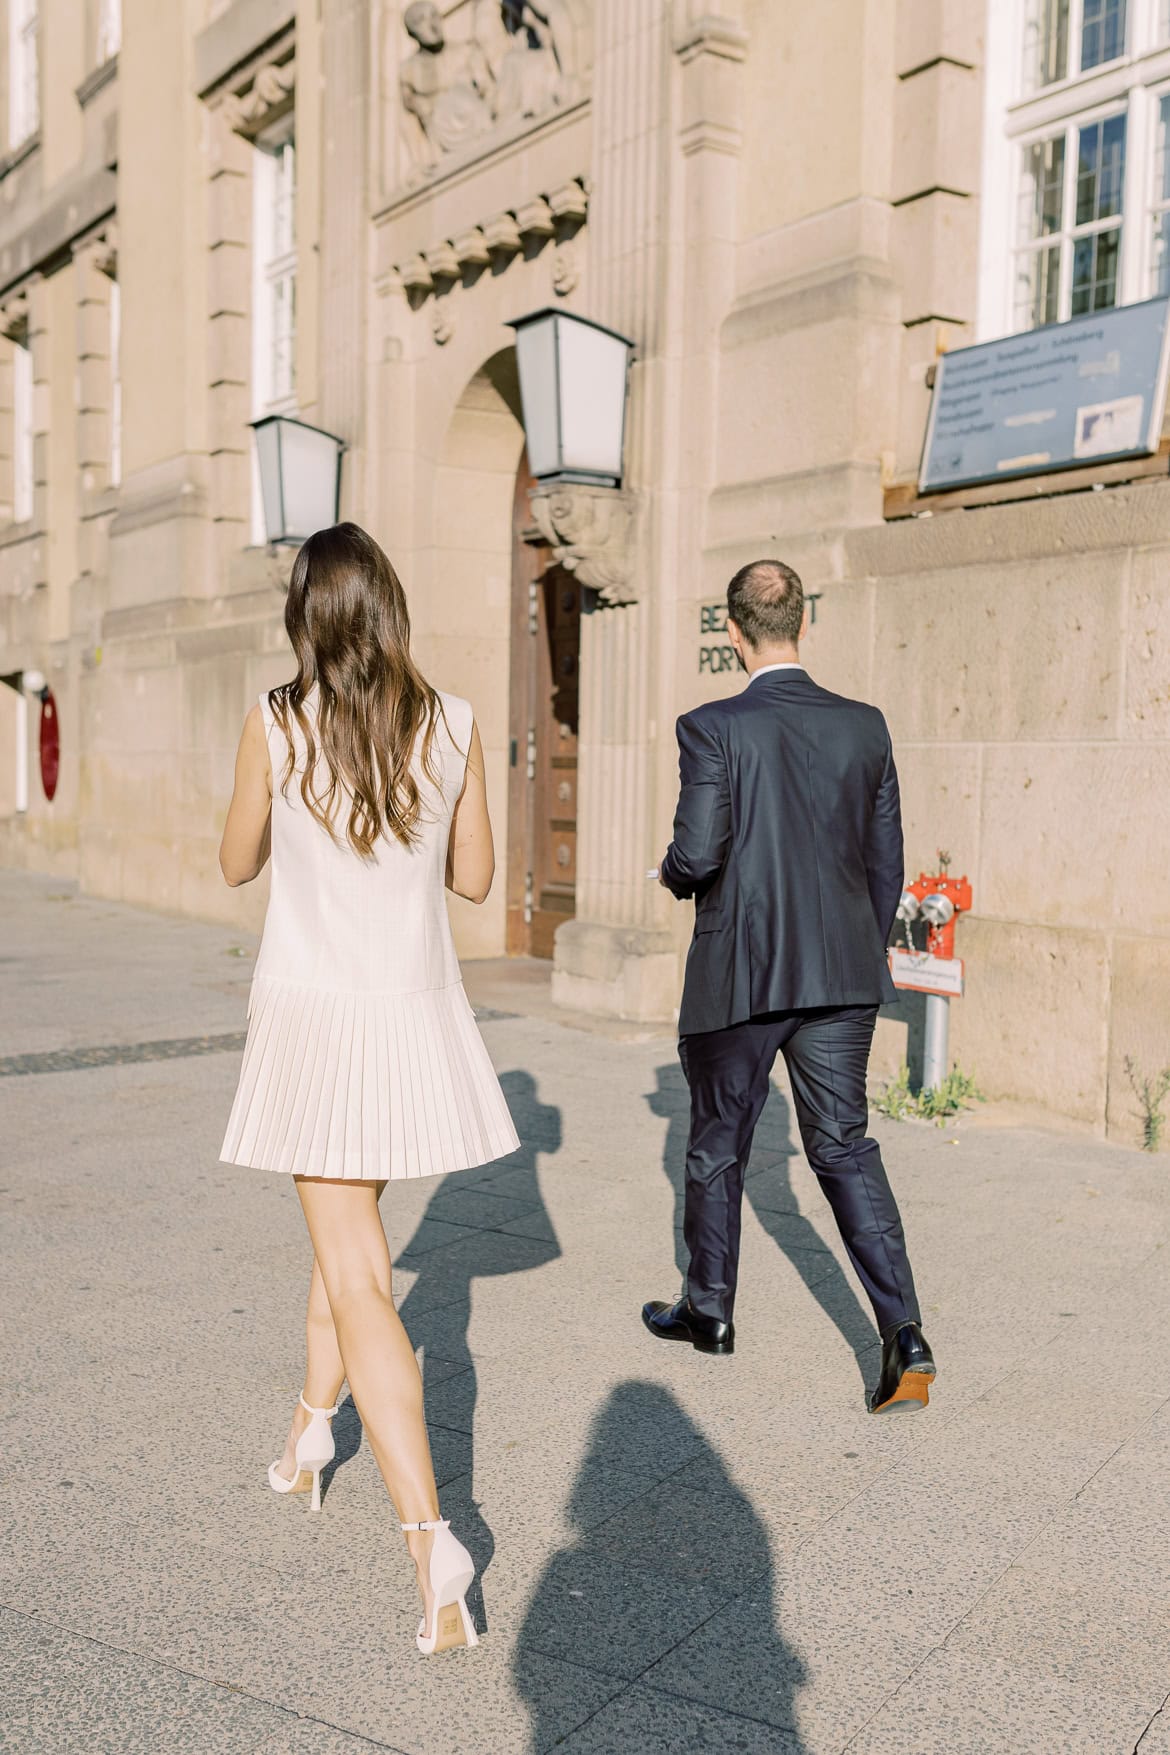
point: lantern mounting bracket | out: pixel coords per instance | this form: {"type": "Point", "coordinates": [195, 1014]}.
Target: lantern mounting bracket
{"type": "Point", "coordinates": [591, 532]}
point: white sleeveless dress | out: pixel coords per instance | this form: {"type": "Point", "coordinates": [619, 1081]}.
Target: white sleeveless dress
{"type": "Point", "coordinates": [363, 1059]}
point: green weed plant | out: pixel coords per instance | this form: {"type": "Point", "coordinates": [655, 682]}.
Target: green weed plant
{"type": "Point", "coordinates": [958, 1091]}
{"type": "Point", "coordinates": [1151, 1094]}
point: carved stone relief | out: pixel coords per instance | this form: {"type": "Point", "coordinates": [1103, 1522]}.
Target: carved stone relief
{"type": "Point", "coordinates": [491, 63]}
{"type": "Point", "coordinates": [268, 97]}
{"type": "Point", "coordinates": [590, 531]}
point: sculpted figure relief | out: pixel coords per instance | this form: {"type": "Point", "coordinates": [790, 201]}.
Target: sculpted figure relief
{"type": "Point", "coordinates": [520, 59]}
{"type": "Point", "coordinates": [445, 86]}
{"type": "Point", "coordinates": [540, 60]}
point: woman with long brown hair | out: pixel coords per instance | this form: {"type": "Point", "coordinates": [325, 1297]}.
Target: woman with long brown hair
{"type": "Point", "coordinates": [363, 1062]}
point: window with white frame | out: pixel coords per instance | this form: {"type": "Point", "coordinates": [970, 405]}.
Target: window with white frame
{"type": "Point", "coordinates": [109, 30]}
{"type": "Point", "coordinates": [22, 432]}
{"type": "Point", "coordinates": [274, 288]}
{"type": "Point", "coordinates": [274, 291]}
{"type": "Point", "coordinates": [1077, 159]}
{"type": "Point", "coordinates": [115, 436]}
{"type": "Point", "coordinates": [24, 95]}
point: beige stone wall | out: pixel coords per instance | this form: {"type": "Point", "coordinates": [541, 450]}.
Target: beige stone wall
{"type": "Point", "coordinates": [783, 214]}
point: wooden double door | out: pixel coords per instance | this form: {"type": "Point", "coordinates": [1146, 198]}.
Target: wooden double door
{"type": "Point", "coordinates": [542, 801]}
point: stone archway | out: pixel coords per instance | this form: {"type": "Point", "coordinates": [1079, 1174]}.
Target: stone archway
{"type": "Point", "coordinates": [463, 624]}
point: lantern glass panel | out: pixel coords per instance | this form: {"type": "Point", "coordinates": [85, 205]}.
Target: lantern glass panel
{"type": "Point", "coordinates": [536, 361]}
{"type": "Point", "coordinates": [300, 469]}
{"type": "Point", "coordinates": [309, 462]}
{"type": "Point", "coordinates": [593, 401]}
{"type": "Point", "coordinates": [268, 459]}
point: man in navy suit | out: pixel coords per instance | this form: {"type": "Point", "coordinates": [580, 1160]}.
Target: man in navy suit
{"type": "Point", "coordinates": [788, 835]}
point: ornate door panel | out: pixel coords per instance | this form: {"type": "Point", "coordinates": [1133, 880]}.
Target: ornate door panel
{"type": "Point", "coordinates": [542, 838]}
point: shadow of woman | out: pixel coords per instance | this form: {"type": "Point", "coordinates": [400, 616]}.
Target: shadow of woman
{"type": "Point", "coordinates": [769, 1193]}
{"type": "Point", "coordinates": [481, 1203]}
{"type": "Point", "coordinates": [680, 1579]}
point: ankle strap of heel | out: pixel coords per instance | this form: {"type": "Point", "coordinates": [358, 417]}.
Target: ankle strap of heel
{"type": "Point", "coordinates": [328, 1412]}
{"type": "Point", "coordinates": [439, 1523]}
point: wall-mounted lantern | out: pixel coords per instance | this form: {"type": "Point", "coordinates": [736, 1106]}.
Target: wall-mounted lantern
{"type": "Point", "coordinates": [300, 477]}
{"type": "Point", "coordinates": [573, 388]}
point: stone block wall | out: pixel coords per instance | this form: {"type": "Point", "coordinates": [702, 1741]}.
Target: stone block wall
{"type": "Point", "coordinates": [1028, 693]}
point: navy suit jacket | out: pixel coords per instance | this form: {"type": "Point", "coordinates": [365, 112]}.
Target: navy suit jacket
{"type": "Point", "coordinates": [788, 835]}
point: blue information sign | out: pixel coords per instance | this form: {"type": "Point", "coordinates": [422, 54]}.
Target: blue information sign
{"type": "Point", "coordinates": [1072, 394]}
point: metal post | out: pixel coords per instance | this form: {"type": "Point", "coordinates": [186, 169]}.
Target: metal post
{"type": "Point", "coordinates": [935, 1048]}
{"type": "Point", "coordinates": [21, 752]}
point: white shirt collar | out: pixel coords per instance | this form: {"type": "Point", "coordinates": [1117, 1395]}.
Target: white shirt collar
{"type": "Point", "coordinates": [765, 668]}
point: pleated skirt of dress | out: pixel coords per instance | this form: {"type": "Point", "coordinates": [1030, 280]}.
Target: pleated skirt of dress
{"type": "Point", "coordinates": [365, 1086]}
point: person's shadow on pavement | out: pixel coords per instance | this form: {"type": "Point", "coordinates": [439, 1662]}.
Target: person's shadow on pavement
{"type": "Point", "coordinates": [445, 1275]}
{"type": "Point", "coordinates": [680, 1578]}
{"type": "Point", "coordinates": [768, 1191]}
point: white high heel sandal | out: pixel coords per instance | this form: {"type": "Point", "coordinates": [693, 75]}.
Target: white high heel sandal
{"type": "Point", "coordinates": [315, 1449]}
{"type": "Point", "coordinates": [452, 1572]}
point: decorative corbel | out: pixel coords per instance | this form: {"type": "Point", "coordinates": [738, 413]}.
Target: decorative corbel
{"type": "Point", "coordinates": [266, 99]}
{"type": "Point", "coordinates": [105, 251]}
{"type": "Point", "coordinates": [534, 220]}
{"type": "Point", "coordinates": [570, 204]}
{"type": "Point", "coordinates": [471, 248]}
{"type": "Point", "coordinates": [503, 235]}
{"type": "Point", "coordinates": [442, 262]}
{"type": "Point", "coordinates": [14, 317]}
{"type": "Point", "coordinates": [590, 531]}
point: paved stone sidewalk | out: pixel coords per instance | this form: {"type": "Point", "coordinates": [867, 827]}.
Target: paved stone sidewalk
{"type": "Point", "coordinates": [678, 1554]}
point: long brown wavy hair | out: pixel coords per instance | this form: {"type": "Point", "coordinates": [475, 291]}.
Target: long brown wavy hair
{"type": "Point", "coordinates": [347, 620]}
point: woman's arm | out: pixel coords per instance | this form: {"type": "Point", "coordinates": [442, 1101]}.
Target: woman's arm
{"type": "Point", "coordinates": [247, 835]}
{"type": "Point", "coordinates": [471, 857]}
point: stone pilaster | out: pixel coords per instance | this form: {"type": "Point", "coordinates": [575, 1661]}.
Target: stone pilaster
{"type": "Point", "coordinates": [94, 266]}
{"type": "Point", "coordinates": [661, 216]}
{"type": "Point", "coordinates": [617, 955]}
{"type": "Point", "coordinates": [229, 317]}
{"type": "Point", "coordinates": [345, 103]}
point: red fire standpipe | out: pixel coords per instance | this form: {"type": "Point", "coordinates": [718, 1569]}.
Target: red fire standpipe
{"type": "Point", "coordinates": [939, 900]}
{"type": "Point", "coordinates": [50, 744]}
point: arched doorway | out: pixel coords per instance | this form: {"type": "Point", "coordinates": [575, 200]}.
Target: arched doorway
{"type": "Point", "coordinates": [461, 609]}
{"type": "Point", "coordinates": [543, 712]}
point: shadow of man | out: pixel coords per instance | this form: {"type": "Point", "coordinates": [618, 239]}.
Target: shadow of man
{"type": "Point", "coordinates": [446, 1271]}
{"type": "Point", "coordinates": [769, 1192]}
{"type": "Point", "coordinates": [680, 1578]}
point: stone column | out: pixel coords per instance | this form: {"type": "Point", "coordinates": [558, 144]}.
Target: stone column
{"type": "Point", "coordinates": [660, 218]}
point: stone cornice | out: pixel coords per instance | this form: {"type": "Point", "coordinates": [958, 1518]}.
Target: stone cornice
{"type": "Point", "coordinates": [486, 153]}
{"type": "Point", "coordinates": [18, 154]}
{"type": "Point", "coordinates": [712, 35]}
{"type": "Point", "coordinates": [234, 44]}
{"type": "Point", "coordinates": [528, 225]}
{"type": "Point", "coordinates": [96, 81]}
{"type": "Point", "coordinates": [72, 210]}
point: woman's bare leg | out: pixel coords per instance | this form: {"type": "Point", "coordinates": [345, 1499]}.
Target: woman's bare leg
{"type": "Point", "coordinates": [375, 1351]}
{"type": "Point", "coordinates": [324, 1371]}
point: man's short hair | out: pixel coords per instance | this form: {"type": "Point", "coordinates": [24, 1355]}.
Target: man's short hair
{"type": "Point", "coordinates": [765, 600]}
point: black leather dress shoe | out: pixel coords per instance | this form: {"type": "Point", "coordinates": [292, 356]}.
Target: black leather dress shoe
{"type": "Point", "coordinates": [679, 1322]}
{"type": "Point", "coordinates": [907, 1368]}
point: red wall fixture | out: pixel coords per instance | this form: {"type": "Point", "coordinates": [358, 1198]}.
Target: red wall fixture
{"type": "Point", "coordinates": [50, 744]}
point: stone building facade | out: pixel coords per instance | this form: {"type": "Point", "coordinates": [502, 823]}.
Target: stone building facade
{"type": "Point", "coordinates": [215, 209]}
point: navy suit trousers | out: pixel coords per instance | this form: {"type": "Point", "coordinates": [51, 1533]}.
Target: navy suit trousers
{"type": "Point", "coordinates": [728, 1072]}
